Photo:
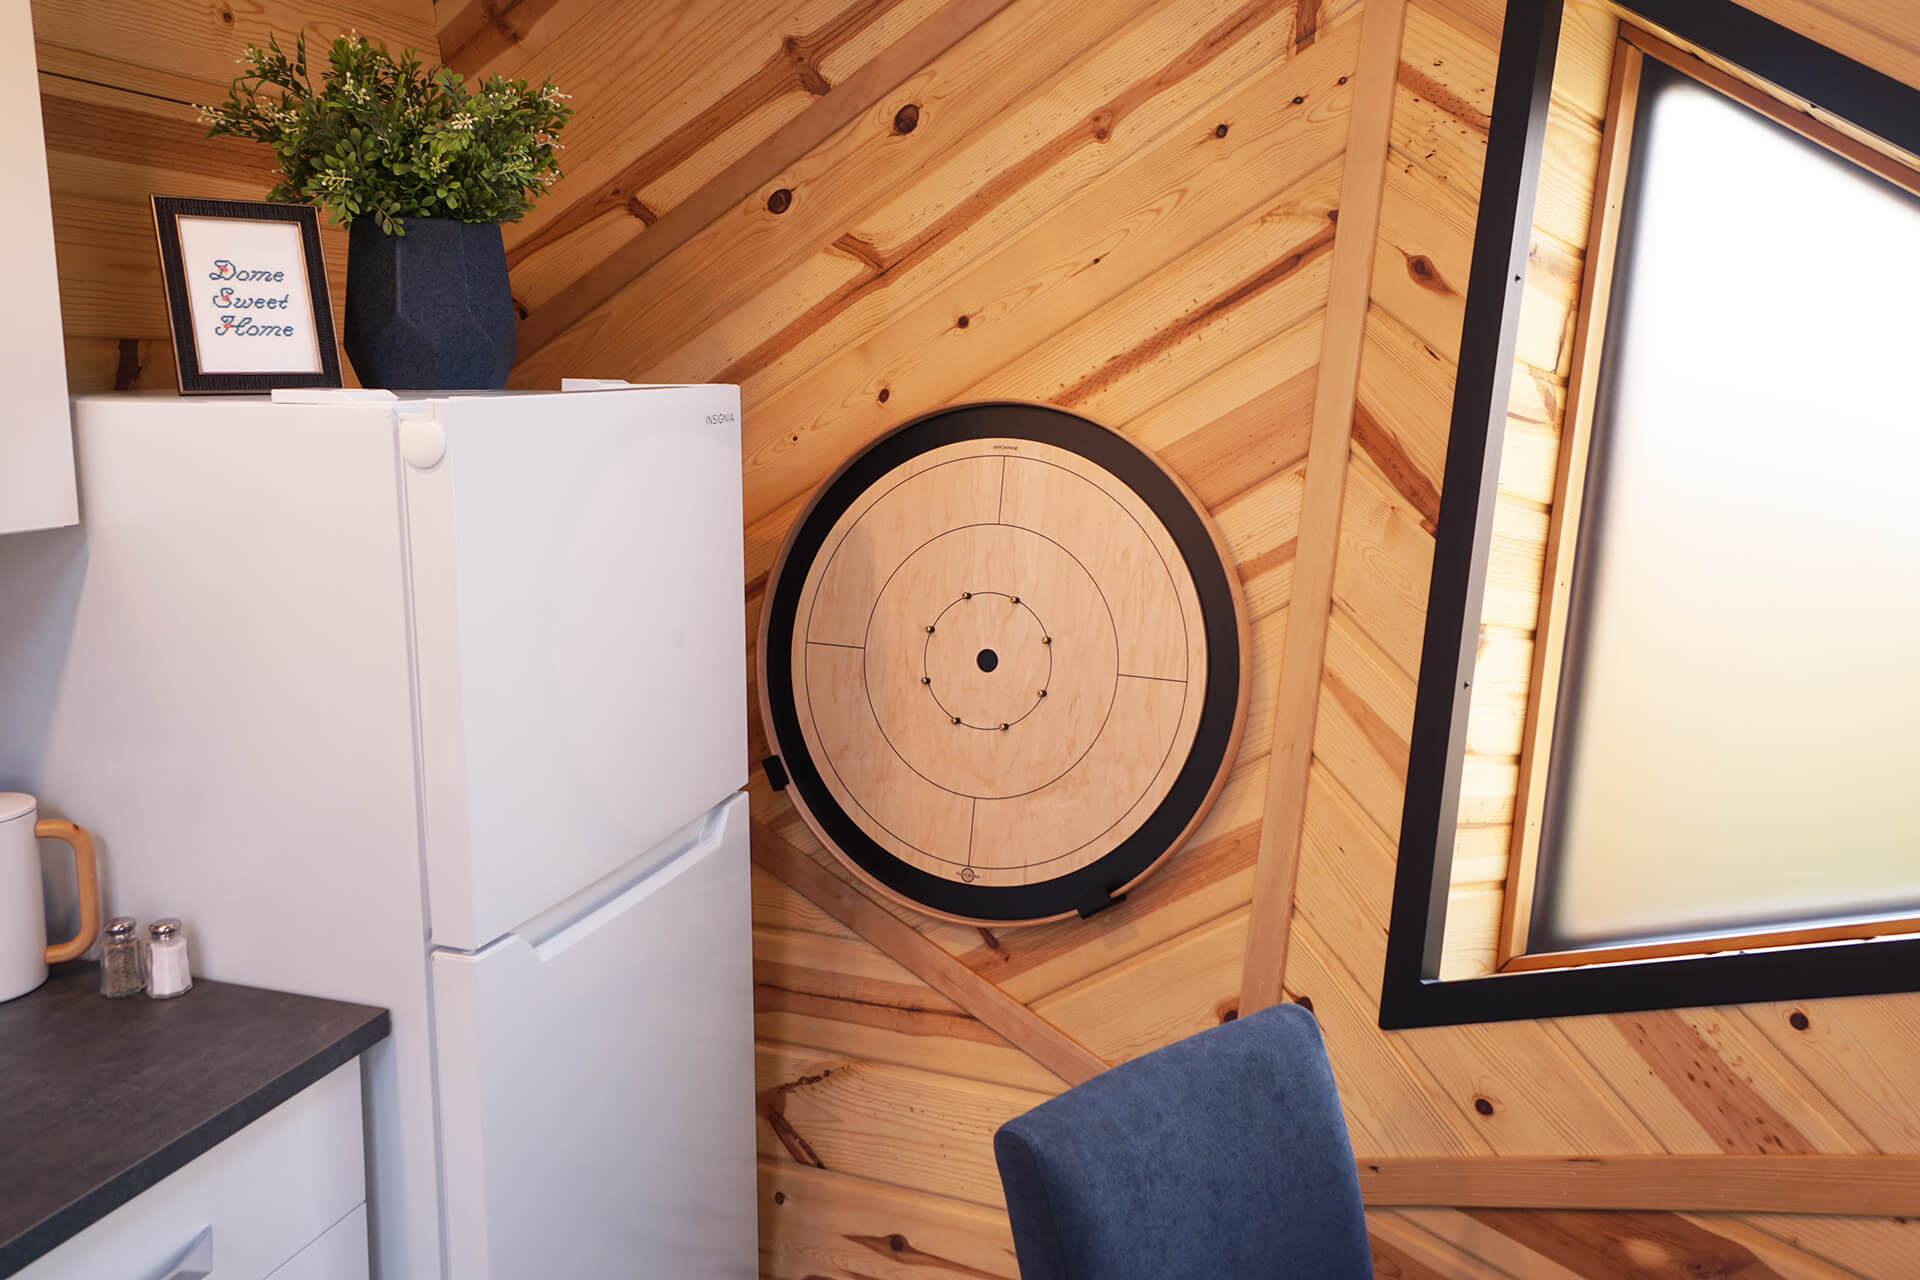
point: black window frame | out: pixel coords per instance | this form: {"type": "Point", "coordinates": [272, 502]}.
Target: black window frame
{"type": "Point", "coordinates": [1412, 994]}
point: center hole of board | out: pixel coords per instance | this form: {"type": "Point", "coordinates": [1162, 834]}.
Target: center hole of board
{"type": "Point", "coordinates": [987, 659]}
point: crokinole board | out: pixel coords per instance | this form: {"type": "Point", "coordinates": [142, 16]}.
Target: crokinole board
{"type": "Point", "coordinates": [1003, 663]}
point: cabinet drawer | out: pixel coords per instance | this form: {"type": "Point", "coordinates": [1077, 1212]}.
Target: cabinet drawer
{"type": "Point", "coordinates": [260, 1197]}
{"type": "Point", "coordinates": [341, 1254]}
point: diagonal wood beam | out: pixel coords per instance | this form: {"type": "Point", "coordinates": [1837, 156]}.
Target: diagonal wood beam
{"type": "Point", "coordinates": [880, 75]}
{"type": "Point", "coordinates": [795, 65]}
{"type": "Point", "coordinates": [482, 30]}
{"type": "Point", "coordinates": [1297, 703]}
{"type": "Point", "coordinates": [1018, 1025]}
{"type": "Point", "coordinates": [1869, 1186]}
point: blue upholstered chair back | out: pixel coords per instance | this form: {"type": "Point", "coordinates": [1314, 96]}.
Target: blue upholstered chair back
{"type": "Point", "coordinates": [1222, 1157]}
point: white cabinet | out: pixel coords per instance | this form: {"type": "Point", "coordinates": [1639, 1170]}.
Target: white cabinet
{"type": "Point", "coordinates": [284, 1197]}
{"type": "Point", "coordinates": [36, 434]}
{"type": "Point", "coordinates": [341, 1254]}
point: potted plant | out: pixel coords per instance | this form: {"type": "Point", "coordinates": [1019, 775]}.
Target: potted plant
{"type": "Point", "coordinates": [423, 170]}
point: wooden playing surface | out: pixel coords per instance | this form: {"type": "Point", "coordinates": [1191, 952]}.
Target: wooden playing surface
{"type": "Point", "coordinates": [999, 661]}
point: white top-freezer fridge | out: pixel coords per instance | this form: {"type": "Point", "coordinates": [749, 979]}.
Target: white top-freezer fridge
{"type": "Point", "coordinates": [437, 704]}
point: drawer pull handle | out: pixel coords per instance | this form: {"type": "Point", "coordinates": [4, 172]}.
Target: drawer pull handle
{"type": "Point", "coordinates": [197, 1262]}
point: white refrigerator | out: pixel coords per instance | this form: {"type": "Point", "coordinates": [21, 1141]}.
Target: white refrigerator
{"type": "Point", "coordinates": [436, 704]}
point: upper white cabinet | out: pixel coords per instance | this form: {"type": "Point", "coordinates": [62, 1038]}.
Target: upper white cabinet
{"type": "Point", "coordinates": [36, 432]}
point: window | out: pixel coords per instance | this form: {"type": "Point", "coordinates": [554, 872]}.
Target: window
{"type": "Point", "coordinates": [1714, 796]}
{"type": "Point", "coordinates": [1738, 696]}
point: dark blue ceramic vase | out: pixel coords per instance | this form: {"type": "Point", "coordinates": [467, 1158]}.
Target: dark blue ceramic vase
{"type": "Point", "coordinates": [429, 310]}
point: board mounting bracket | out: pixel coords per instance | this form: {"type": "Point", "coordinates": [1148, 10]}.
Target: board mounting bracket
{"type": "Point", "coordinates": [1094, 906]}
{"type": "Point", "coordinates": [776, 773]}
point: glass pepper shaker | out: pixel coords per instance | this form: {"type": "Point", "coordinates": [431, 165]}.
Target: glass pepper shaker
{"type": "Point", "coordinates": [167, 964]}
{"type": "Point", "coordinates": [123, 959]}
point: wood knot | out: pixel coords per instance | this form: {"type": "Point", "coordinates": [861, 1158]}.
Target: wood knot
{"type": "Point", "coordinates": [1305, 1002]}
{"type": "Point", "coordinates": [780, 201]}
{"type": "Point", "coordinates": [127, 372]}
{"type": "Point", "coordinates": [1227, 1010]}
{"type": "Point", "coordinates": [1799, 1020]}
{"type": "Point", "coordinates": [779, 1197]}
{"type": "Point", "coordinates": [1421, 268]}
{"type": "Point", "coordinates": [804, 71]}
{"type": "Point", "coordinates": [907, 118]}
{"type": "Point", "coordinates": [226, 15]}
{"type": "Point", "coordinates": [1220, 131]}
{"type": "Point", "coordinates": [897, 1242]}
{"type": "Point", "coordinates": [1299, 99]}
{"type": "Point", "coordinates": [962, 322]}
{"type": "Point", "coordinates": [884, 394]}
{"type": "Point", "coordinates": [1483, 1105]}
{"type": "Point", "coordinates": [1101, 123]}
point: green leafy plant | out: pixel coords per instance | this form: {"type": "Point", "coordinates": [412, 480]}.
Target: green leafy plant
{"type": "Point", "coordinates": [386, 138]}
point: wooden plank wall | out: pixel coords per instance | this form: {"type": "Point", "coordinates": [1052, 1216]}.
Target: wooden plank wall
{"type": "Point", "coordinates": [863, 209]}
{"type": "Point", "coordinates": [117, 82]}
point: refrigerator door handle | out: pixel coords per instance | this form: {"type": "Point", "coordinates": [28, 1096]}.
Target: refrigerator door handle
{"type": "Point", "coordinates": [552, 933]}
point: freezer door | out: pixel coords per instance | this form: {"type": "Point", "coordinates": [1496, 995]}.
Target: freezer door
{"type": "Point", "coordinates": [596, 1081]}
{"type": "Point", "coordinates": [579, 637]}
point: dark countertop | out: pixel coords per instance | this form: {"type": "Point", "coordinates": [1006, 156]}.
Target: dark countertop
{"type": "Point", "coordinates": [100, 1099]}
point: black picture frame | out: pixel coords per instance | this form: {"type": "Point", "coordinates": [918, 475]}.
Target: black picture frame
{"type": "Point", "coordinates": [187, 356]}
{"type": "Point", "coordinates": [1412, 993]}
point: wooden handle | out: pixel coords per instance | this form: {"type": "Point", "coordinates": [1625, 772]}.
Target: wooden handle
{"type": "Point", "coordinates": [88, 874]}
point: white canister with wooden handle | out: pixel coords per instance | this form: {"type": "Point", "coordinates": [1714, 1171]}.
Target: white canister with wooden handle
{"type": "Point", "coordinates": [24, 950]}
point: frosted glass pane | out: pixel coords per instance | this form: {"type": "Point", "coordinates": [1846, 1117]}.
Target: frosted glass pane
{"type": "Point", "coordinates": [1737, 742]}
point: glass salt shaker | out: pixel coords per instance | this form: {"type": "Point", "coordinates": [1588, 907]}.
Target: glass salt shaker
{"type": "Point", "coordinates": [167, 973]}
{"type": "Point", "coordinates": [123, 959]}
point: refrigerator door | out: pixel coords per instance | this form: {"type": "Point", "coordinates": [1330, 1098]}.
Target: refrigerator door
{"type": "Point", "coordinates": [579, 630]}
{"type": "Point", "coordinates": [596, 1079]}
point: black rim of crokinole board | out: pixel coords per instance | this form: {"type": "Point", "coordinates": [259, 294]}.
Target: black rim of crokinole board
{"type": "Point", "coordinates": [1223, 710]}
